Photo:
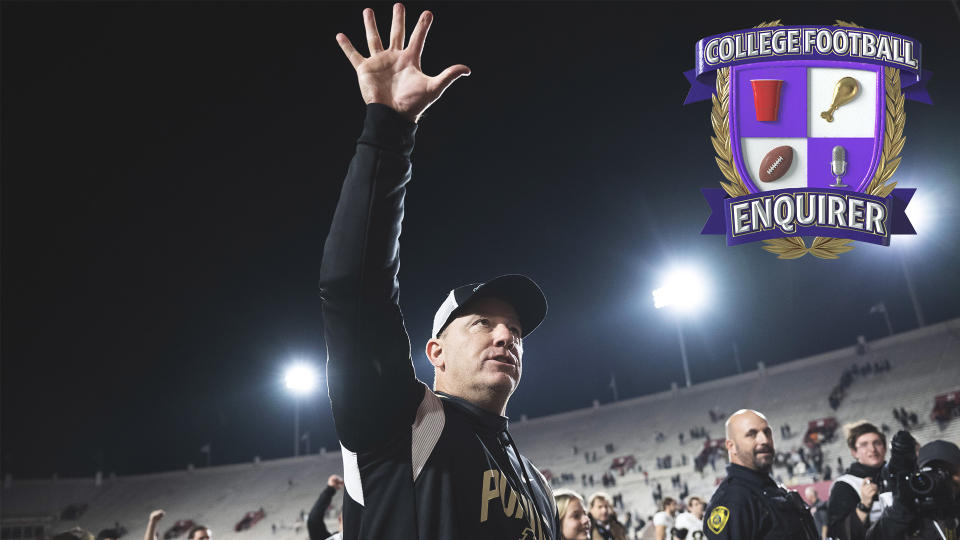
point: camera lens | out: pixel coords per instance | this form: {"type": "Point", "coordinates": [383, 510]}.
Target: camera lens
{"type": "Point", "coordinates": [921, 482]}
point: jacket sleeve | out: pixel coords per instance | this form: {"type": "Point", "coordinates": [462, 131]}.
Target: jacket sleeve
{"type": "Point", "coordinates": [897, 520]}
{"type": "Point", "coordinates": [370, 378]}
{"type": "Point", "coordinates": [842, 520]}
{"type": "Point", "coordinates": [731, 516]}
{"type": "Point", "coordinates": [315, 525]}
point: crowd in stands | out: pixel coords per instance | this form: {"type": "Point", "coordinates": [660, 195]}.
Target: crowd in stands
{"type": "Point", "coordinates": [907, 419]}
{"type": "Point", "coordinates": [851, 374]}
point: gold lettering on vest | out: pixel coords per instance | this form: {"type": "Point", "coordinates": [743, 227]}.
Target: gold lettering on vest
{"type": "Point", "coordinates": [507, 504]}
{"type": "Point", "coordinates": [488, 492]}
{"type": "Point", "coordinates": [521, 507]}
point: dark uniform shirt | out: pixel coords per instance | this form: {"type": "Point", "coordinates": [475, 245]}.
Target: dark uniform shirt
{"type": "Point", "coordinates": [748, 505]}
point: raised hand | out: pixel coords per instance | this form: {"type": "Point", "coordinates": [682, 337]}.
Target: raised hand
{"type": "Point", "coordinates": [393, 76]}
{"type": "Point", "coordinates": [156, 515]}
{"type": "Point", "coordinates": [335, 481]}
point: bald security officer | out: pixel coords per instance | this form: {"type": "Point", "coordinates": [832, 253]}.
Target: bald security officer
{"type": "Point", "coordinates": [748, 504]}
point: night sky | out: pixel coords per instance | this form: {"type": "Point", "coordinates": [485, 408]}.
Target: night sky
{"type": "Point", "coordinates": [170, 170]}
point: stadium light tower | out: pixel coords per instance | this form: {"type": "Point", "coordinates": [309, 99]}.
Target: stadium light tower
{"type": "Point", "coordinates": [920, 213]}
{"type": "Point", "coordinates": [300, 379]}
{"type": "Point", "coordinates": [684, 290]}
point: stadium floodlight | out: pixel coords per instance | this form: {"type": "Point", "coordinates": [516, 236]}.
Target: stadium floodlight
{"type": "Point", "coordinates": [300, 379]}
{"type": "Point", "coordinates": [684, 290]}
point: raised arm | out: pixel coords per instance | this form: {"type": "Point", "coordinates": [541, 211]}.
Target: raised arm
{"type": "Point", "coordinates": [370, 376]}
{"type": "Point", "coordinates": [155, 518]}
{"type": "Point", "coordinates": [316, 528]}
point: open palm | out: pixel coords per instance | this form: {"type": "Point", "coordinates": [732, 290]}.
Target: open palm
{"type": "Point", "coordinates": [393, 76]}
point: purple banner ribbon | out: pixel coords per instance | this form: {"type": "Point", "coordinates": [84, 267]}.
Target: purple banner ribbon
{"type": "Point", "coordinates": [832, 213]}
{"type": "Point", "coordinates": [781, 43]}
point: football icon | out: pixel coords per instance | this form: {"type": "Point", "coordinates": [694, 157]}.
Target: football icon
{"type": "Point", "coordinates": [776, 163]}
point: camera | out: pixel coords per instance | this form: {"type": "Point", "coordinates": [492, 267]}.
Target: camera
{"type": "Point", "coordinates": [928, 490]}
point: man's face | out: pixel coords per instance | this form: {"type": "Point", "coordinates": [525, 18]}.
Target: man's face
{"type": "Point", "coordinates": [696, 508]}
{"type": "Point", "coordinates": [750, 442]}
{"type": "Point", "coordinates": [811, 495]}
{"type": "Point", "coordinates": [672, 508]}
{"type": "Point", "coordinates": [481, 349]}
{"type": "Point", "coordinates": [600, 510]}
{"type": "Point", "coordinates": [869, 450]}
{"type": "Point", "coordinates": [203, 534]}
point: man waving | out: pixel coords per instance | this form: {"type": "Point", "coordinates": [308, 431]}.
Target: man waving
{"type": "Point", "coordinates": [418, 462]}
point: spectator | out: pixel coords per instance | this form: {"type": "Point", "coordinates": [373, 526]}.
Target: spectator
{"type": "Point", "coordinates": [108, 534]}
{"type": "Point", "coordinates": [691, 521]}
{"type": "Point", "coordinates": [603, 521]}
{"type": "Point", "coordinates": [855, 500]}
{"type": "Point", "coordinates": [574, 522]}
{"type": "Point", "coordinates": [198, 532]}
{"type": "Point", "coordinates": [818, 509]}
{"type": "Point", "coordinates": [663, 520]}
{"type": "Point", "coordinates": [316, 528]}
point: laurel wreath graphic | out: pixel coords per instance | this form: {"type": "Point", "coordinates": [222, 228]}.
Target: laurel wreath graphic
{"type": "Point", "coordinates": [794, 247]}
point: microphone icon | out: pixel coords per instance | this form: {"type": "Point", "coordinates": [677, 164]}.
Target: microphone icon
{"type": "Point", "coordinates": [838, 166]}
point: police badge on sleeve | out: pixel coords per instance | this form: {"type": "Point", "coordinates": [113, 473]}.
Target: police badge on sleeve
{"type": "Point", "coordinates": [808, 132]}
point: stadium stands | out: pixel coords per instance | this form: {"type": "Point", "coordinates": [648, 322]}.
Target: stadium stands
{"type": "Point", "coordinates": [925, 364]}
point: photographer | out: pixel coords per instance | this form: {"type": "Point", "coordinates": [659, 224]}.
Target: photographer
{"type": "Point", "coordinates": [926, 502]}
{"type": "Point", "coordinates": [856, 500]}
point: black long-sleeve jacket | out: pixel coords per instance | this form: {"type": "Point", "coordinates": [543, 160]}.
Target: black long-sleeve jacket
{"type": "Point", "coordinates": [901, 523]}
{"type": "Point", "coordinates": [417, 464]}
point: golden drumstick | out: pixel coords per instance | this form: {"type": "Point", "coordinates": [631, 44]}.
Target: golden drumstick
{"type": "Point", "coordinates": [845, 90]}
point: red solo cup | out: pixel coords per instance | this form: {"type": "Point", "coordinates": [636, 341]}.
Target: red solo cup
{"type": "Point", "coordinates": [766, 98]}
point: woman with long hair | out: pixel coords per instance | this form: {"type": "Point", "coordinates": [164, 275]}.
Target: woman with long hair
{"type": "Point", "coordinates": [574, 520]}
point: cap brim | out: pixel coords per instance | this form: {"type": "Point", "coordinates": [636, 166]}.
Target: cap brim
{"type": "Point", "coordinates": [939, 451]}
{"type": "Point", "coordinates": [520, 292]}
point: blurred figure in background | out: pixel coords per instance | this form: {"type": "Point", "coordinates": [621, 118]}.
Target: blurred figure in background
{"type": "Point", "coordinates": [663, 521]}
{"type": "Point", "coordinates": [604, 523]}
{"type": "Point", "coordinates": [818, 509]}
{"type": "Point", "coordinates": [199, 532]}
{"type": "Point", "coordinates": [691, 520]}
